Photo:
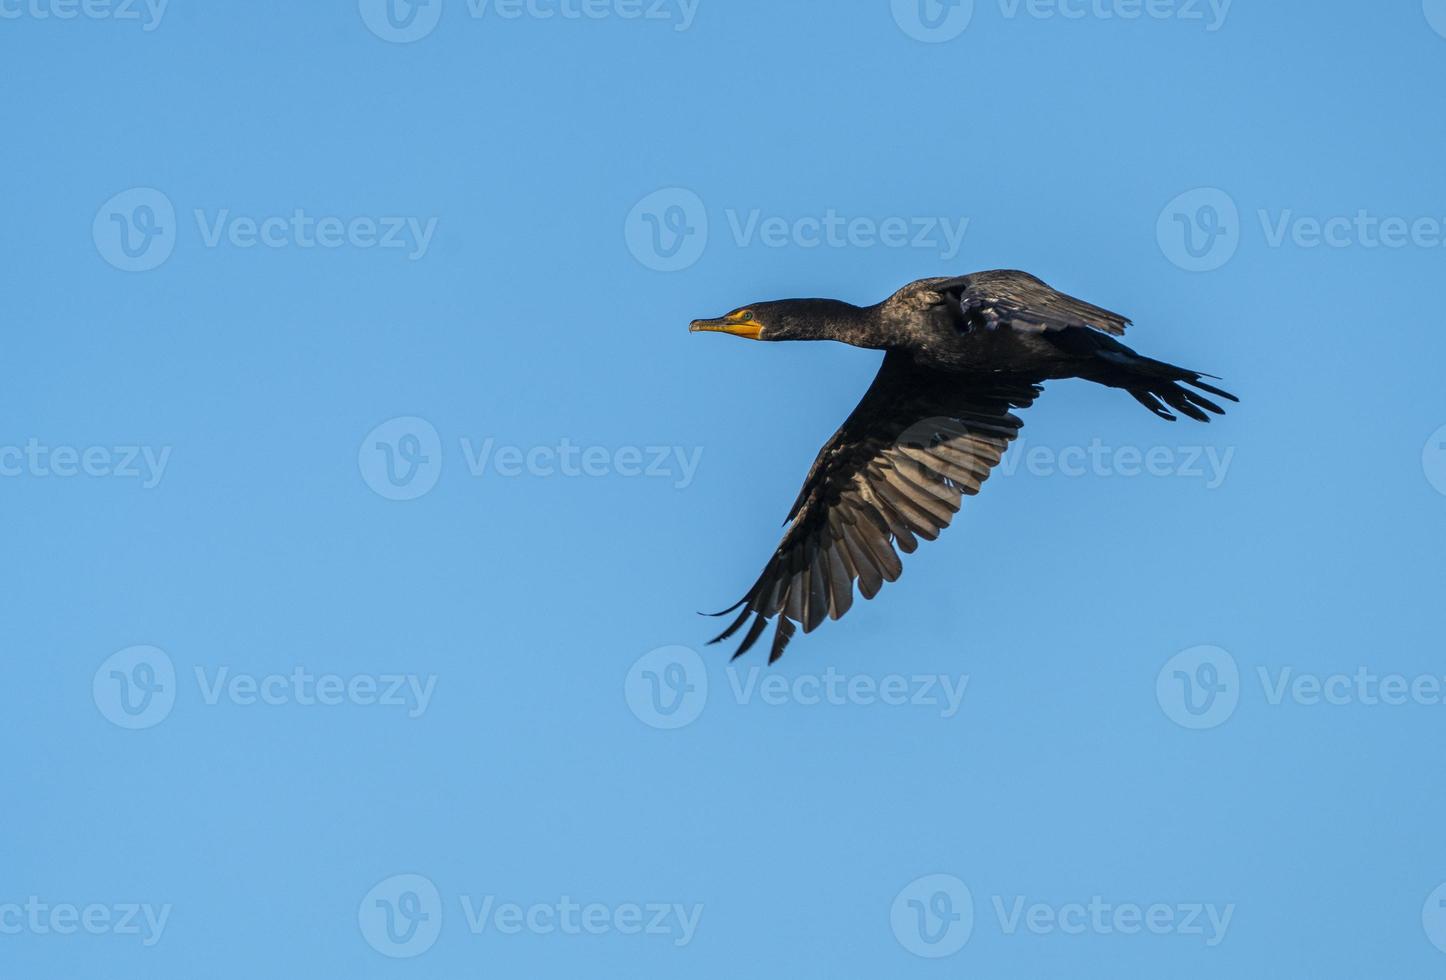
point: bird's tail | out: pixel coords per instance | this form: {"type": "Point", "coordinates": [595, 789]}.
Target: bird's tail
{"type": "Point", "coordinates": [1160, 387]}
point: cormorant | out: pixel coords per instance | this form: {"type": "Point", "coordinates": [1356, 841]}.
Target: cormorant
{"type": "Point", "coordinates": [961, 352]}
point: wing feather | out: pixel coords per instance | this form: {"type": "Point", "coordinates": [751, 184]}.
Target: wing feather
{"type": "Point", "coordinates": [1018, 300]}
{"type": "Point", "coordinates": [896, 471]}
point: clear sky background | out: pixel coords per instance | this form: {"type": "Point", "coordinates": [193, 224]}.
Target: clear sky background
{"type": "Point", "coordinates": [202, 459]}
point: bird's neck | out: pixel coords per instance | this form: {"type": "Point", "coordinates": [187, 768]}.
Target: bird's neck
{"type": "Point", "coordinates": [861, 326]}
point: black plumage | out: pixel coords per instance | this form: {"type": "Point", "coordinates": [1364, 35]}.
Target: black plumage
{"type": "Point", "coordinates": [961, 355]}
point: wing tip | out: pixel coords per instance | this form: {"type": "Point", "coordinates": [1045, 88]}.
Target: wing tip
{"type": "Point", "coordinates": [781, 636]}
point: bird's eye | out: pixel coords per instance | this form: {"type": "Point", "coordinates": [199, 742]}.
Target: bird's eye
{"type": "Point", "coordinates": [746, 316]}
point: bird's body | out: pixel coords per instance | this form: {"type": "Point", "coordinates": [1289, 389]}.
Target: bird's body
{"type": "Point", "coordinates": [962, 354]}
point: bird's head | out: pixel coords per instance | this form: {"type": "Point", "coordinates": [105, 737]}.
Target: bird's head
{"type": "Point", "coordinates": [789, 319]}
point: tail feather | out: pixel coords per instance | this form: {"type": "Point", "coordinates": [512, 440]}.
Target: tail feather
{"type": "Point", "coordinates": [1211, 388]}
{"type": "Point", "coordinates": [1154, 404]}
{"type": "Point", "coordinates": [1156, 385]}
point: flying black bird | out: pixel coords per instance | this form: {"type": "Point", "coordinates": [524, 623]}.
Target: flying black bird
{"type": "Point", "coordinates": [961, 353]}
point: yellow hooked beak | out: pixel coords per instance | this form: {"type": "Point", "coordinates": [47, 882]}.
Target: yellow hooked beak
{"type": "Point", "coordinates": [740, 324]}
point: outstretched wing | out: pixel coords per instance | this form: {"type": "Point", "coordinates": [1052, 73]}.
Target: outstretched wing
{"type": "Point", "coordinates": [894, 472]}
{"type": "Point", "coordinates": [1017, 300]}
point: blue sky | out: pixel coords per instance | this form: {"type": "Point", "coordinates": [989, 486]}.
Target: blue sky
{"type": "Point", "coordinates": [363, 483]}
